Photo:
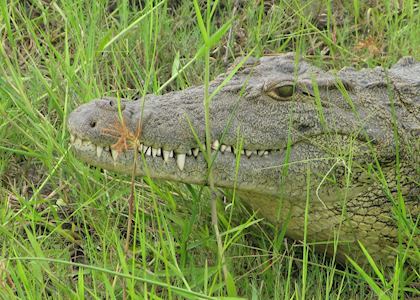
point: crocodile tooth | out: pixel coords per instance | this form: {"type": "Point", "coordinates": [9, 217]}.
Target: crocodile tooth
{"type": "Point", "coordinates": [159, 152]}
{"type": "Point", "coordinates": [223, 148]}
{"type": "Point", "coordinates": [171, 153]}
{"type": "Point", "coordinates": [140, 148]}
{"type": "Point", "coordinates": [195, 151]}
{"type": "Point", "coordinates": [72, 138]}
{"type": "Point", "coordinates": [114, 154]}
{"type": "Point", "coordinates": [99, 150]}
{"type": "Point", "coordinates": [166, 155]}
{"type": "Point", "coordinates": [248, 153]}
{"type": "Point", "coordinates": [215, 145]}
{"type": "Point", "coordinates": [180, 160]}
{"type": "Point", "coordinates": [149, 151]}
{"type": "Point", "coordinates": [78, 142]}
{"type": "Point", "coordinates": [144, 149]}
{"type": "Point", "coordinates": [189, 153]}
{"type": "Point", "coordinates": [266, 152]}
{"type": "Point", "coordinates": [154, 152]}
{"type": "Point", "coordinates": [242, 152]}
{"type": "Point", "coordinates": [260, 152]}
{"type": "Point", "coordinates": [228, 149]}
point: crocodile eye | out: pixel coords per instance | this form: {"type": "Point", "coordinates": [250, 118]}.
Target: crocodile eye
{"type": "Point", "coordinates": [281, 92]}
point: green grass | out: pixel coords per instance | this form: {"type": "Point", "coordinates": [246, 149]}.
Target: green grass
{"type": "Point", "coordinates": [63, 224]}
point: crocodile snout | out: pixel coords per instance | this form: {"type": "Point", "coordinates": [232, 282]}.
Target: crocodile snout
{"type": "Point", "coordinates": [99, 121]}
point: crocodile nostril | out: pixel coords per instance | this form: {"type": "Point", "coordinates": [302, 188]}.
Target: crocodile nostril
{"type": "Point", "coordinates": [92, 124]}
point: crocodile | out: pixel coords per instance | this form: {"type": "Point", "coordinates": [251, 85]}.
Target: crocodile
{"type": "Point", "coordinates": [293, 140]}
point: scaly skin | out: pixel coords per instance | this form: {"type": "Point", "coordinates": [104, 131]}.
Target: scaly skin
{"type": "Point", "coordinates": [306, 133]}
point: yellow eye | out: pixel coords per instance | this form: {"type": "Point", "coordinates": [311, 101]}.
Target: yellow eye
{"type": "Point", "coordinates": [282, 92]}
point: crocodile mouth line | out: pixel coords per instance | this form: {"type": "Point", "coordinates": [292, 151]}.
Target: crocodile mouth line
{"type": "Point", "coordinates": [167, 155]}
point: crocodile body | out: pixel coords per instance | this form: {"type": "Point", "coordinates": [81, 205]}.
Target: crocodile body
{"type": "Point", "coordinates": [284, 134]}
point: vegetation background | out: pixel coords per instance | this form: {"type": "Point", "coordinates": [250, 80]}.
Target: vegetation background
{"type": "Point", "coordinates": [63, 223]}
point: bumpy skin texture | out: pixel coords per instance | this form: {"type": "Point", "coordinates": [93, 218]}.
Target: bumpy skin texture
{"type": "Point", "coordinates": [328, 137]}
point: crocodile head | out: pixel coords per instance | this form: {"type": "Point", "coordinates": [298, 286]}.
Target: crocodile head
{"type": "Point", "coordinates": [275, 111]}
